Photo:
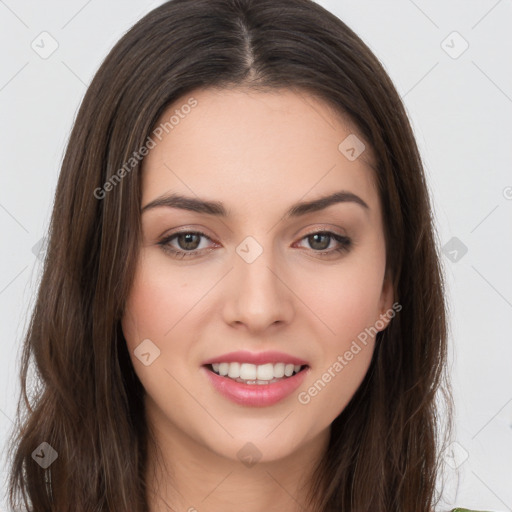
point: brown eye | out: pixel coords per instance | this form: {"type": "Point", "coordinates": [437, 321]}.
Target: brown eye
{"type": "Point", "coordinates": [320, 241]}
{"type": "Point", "coordinates": [188, 241]}
{"type": "Point", "coordinates": [184, 244]}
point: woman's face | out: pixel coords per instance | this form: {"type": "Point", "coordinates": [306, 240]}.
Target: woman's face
{"type": "Point", "coordinates": [271, 270]}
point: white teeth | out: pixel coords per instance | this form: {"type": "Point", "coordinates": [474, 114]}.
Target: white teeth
{"type": "Point", "coordinates": [247, 371]}
{"type": "Point", "coordinates": [255, 374]}
{"type": "Point", "coordinates": [265, 371]}
{"type": "Point", "coordinates": [234, 370]}
{"type": "Point", "coordinates": [279, 370]}
{"type": "Point", "coordinates": [223, 369]}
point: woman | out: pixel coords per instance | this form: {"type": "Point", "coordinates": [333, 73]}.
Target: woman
{"type": "Point", "coordinates": [242, 300]}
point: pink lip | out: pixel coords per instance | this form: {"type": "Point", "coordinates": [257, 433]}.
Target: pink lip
{"type": "Point", "coordinates": [255, 395]}
{"type": "Point", "coordinates": [244, 356]}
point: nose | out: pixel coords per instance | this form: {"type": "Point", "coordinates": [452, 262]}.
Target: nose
{"type": "Point", "coordinates": [257, 296]}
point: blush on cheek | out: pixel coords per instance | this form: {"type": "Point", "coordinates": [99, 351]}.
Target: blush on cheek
{"type": "Point", "coordinates": [159, 300]}
{"type": "Point", "coordinates": [345, 305]}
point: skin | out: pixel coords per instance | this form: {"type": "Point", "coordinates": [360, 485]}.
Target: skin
{"type": "Point", "coordinates": [257, 153]}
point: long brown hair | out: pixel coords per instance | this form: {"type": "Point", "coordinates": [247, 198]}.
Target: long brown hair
{"type": "Point", "coordinates": [384, 449]}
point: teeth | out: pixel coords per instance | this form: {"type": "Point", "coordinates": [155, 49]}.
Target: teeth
{"type": "Point", "coordinates": [279, 370]}
{"type": "Point", "coordinates": [247, 371]}
{"type": "Point", "coordinates": [264, 371]}
{"type": "Point", "coordinates": [255, 374]}
{"type": "Point", "coordinates": [234, 371]}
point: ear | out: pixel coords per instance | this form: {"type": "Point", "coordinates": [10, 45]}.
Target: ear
{"type": "Point", "coordinates": [387, 311]}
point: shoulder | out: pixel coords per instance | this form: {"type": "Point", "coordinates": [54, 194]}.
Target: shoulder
{"type": "Point", "coordinates": [466, 510]}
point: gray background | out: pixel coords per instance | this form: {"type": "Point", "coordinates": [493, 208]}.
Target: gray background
{"type": "Point", "coordinates": [460, 105]}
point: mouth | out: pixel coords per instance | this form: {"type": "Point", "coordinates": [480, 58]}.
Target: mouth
{"type": "Point", "coordinates": [255, 379]}
{"type": "Point", "coordinates": [253, 374]}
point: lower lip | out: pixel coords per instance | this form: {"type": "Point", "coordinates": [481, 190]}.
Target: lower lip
{"type": "Point", "coordinates": [255, 395]}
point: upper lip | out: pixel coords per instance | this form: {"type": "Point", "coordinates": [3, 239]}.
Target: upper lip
{"type": "Point", "coordinates": [257, 358]}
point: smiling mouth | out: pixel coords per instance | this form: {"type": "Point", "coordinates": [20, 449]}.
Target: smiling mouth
{"type": "Point", "coordinates": [251, 374]}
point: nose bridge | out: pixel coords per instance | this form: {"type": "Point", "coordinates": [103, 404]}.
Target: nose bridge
{"type": "Point", "coordinates": [259, 298]}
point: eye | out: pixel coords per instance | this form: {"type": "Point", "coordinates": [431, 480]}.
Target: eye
{"type": "Point", "coordinates": [321, 242]}
{"type": "Point", "coordinates": [188, 243]}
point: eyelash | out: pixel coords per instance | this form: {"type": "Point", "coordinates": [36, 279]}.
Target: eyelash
{"type": "Point", "coordinates": [344, 242]}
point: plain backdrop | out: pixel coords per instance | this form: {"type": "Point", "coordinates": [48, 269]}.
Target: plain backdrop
{"type": "Point", "coordinates": [450, 62]}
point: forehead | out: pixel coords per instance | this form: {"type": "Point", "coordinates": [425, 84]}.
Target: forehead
{"type": "Point", "coordinates": [244, 147]}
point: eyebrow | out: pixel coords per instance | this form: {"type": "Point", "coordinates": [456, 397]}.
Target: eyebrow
{"type": "Point", "coordinates": [217, 208]}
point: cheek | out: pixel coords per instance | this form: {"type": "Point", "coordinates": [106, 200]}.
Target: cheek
{"type": "Point", "coordinates": [349, 310]}
{"type": "Point", "coordinates": [158, 300]}
{"type": "Point", "coordinates": [157, 306]}
{"type": "Point", "coordinates": [344, 298]}
{"type": "Point", "coordinates": [355, 302]}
